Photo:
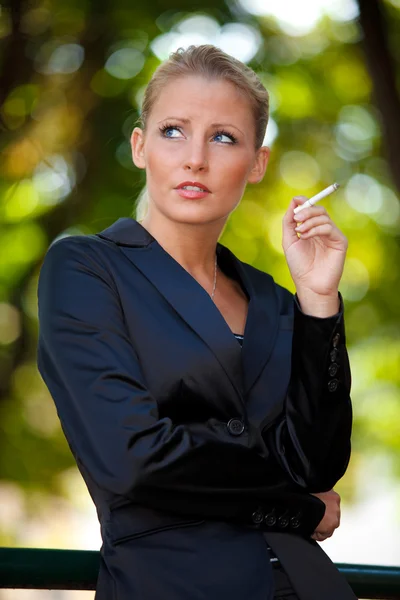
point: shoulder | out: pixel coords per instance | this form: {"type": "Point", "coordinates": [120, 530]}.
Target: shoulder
{"type": "Point", "coordinates": [124, 232]}
{"type": "Point", "coordinates": [89, 245]}
{"type": "Point", "coordinates": [77, 253]}
{"type": "Point", "coordinates": [88, 248]}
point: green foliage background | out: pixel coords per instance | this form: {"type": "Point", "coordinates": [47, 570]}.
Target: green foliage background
{"type": "Point", "coordinates": [69, 99]}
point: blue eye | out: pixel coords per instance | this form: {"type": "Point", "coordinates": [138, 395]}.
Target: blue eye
{"type": "Point", "coordinates": [170, 132]}
{"type": "Point", "coordinates": [225, 138]}
{"type": "Point", "coordinates": [174, 132]}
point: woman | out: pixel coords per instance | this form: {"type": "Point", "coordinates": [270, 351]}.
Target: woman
{"type": "Point", "coordinates": [198, 453]}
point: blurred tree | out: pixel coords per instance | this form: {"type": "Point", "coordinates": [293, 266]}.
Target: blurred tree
{"type": "Point", "coordinates": [382, 68]}
{"type": "Point", "coordinates": [72, 76]}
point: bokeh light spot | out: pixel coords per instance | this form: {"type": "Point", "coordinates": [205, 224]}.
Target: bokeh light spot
{"type": "Point", "coordinates": [20, 201]}
{"type": "Point", "coordinates": [350, 80]}
{"type": "Point", "coordinates": [10, 324]}
{"type": "Point", "coordinates": [67, 58]}
{"type": "Point", "coordinates": [54, 179]}
{"type": "Point", "coordinates": [201, 24]}
{"type": "Point", "coordinates": [125, 63]}
{"type": "Point", "coordinates": [274, 231]}
{"type": "Point", "coordinates": [355, 280]}
{"type": "Point", "coordinates": [21, 245]}
{"type": "Point", "coordinates": [164, 44]}
{"type": "Point", "coordinates": [388, 214]}
{"type": "Point", "coordinates": [364, 194]}
{"type": "Point", "coordinates": [282, 50]}
{"type": "Point", "coordinates": [355, 132]}
{"type": "Point", "coordinates": [20, 158]}
{"type": "Point", "coordinates": [237, 39]}
{"type": "Point", "coordinates": [296, 99]}
{"type": "Point", "coordinates": [300, 18]}
{"type": "Point", "coordinates": [341, 10]}
{"type": "Point", "coordinates": [35, 21]}
{"type": "Point", "coordinates": [21, 101]}
{"type": "Point", "coordinates": [299, 170]}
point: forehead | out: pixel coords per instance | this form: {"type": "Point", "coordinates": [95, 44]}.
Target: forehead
{"type": "Point", "coordinates": [195, 97]}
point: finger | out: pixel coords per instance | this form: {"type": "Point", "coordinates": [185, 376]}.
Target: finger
{"type": "Point", "coordinates": [326, 230]}
{"type": "Point", "coordinates": [297, 200]}
{"type": "Point", "coordinates": [313, 222]}
{"type": "Point", "coordinates": [293, 203]}
{"type": "Point", "coordinates": [288, 224]}
{"type": "Point", "coordinates": [307, 213]}
{"type": "Point", "coordinates": [320, 537]}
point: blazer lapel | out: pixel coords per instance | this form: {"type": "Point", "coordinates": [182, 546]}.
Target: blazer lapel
{"type": "Point", "coordinates": [262, 318]}
{"type": "Point", "coordinates": [195, 306]}
{"type": "Point", "coordinates": [183, 293]}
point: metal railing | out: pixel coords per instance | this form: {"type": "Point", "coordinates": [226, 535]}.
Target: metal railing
{"type": "Point", "coordinates": [33, 568]}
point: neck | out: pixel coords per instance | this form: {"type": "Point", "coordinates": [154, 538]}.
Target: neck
{"type": "Point", "coordinates": [193, 246]}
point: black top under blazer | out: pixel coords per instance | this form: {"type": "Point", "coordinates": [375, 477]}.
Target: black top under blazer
{"type": "Point", "coordinates": [194, 450]}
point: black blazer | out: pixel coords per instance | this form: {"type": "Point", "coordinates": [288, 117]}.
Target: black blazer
{"type": "Point", "coordinates": [175, 428]}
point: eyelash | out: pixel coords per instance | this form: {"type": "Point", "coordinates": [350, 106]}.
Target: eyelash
{"type": "Point", "coordinates": [167, 126]}
{"type": "Point", "coordinates": [229, 135]}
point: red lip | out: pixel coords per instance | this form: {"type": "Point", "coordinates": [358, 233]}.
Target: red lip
{"type": "Point", "coordinates": [193, 183]}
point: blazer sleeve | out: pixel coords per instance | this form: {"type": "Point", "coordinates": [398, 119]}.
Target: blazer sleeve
{"type": "Point", "coordinates": [311, 439]}
{"type": "Point", "coordinates": [108, 415]}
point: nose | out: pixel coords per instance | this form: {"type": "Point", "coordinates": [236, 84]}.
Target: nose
{"type": "Point", "coordinates": [197, 157]}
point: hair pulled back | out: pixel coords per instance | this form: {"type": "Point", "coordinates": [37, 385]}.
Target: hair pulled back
{"type": "Point", "coordinates": [211, 63]}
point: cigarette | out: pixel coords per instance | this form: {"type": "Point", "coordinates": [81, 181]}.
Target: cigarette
{"type": "Point", "coordinates": [311, 201]}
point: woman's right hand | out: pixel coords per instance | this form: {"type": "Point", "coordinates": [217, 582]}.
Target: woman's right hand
{"type": "Point", "coordinates": [331, 519]}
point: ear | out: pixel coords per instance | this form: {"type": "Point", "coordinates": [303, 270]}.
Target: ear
{"type": "Point", "coordinates": [260, 165]}
{"type": "Point", "coordinates": [137, 145]}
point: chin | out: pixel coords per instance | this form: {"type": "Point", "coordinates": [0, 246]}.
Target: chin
{"type": "Point", "coordinates": [198, 216]}
{"type": "Point", "coordinates": [195, 213]}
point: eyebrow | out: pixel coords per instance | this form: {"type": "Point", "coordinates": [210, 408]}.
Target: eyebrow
{"type": "Point", "coordinates": [183, 120]}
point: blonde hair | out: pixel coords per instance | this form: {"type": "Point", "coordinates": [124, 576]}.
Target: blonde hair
{"type": "Point", "coordinates": [212, 63]}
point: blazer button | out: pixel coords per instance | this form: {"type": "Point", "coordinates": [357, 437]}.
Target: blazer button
{"type": "Point", "coordinates": [333, 369]}
{"type": "Point", "coordinates": [332, 385]}
{"type": "Point", "coordinates": [270, 520]}
{"type": "Point", "coordinates": [333, 354]}
{"type": "Point", "coordinates": [257, 517]}
{"type": "Point", "coordinates": [283, 522]}
{"type": "Point", "coordinates": [235, 427]}
{"type": "Point", "coordinates": [294, 522]}
{"type": "Point", "coordinates": [336, 339]}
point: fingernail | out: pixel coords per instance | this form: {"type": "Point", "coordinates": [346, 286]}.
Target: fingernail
{"type": "Point", "coordinates": [299, 227]}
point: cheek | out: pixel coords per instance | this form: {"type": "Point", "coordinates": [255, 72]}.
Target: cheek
{"type": "Point", "coordinates": [234, 168]}
{"type": "Point", "coordinates": [158, 161]}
